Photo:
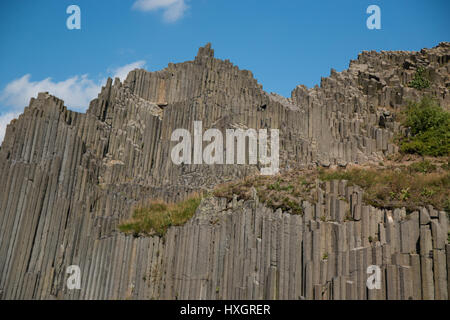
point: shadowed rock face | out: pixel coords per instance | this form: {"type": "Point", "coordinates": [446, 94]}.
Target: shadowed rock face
{"type": "Point", "coordinates": [68, 178]}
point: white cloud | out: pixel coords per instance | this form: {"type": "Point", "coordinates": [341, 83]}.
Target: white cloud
{"type": "Point", "coordinates": [5, 119]}
{"type": "Point", "coordinates": [122, 72]}
{"type": "Point", "coordinates": [173, 9]}
{"type": "Point", "coordinates": [76, 91]}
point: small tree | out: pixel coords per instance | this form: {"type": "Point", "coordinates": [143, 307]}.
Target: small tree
{"type": "Point", "coordinates": [420, 80]}
{"type": "Point", "coordinates": [430, 129]}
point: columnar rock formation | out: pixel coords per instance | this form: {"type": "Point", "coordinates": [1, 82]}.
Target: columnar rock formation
{"type": "Point", "coordinates": [69, 178]}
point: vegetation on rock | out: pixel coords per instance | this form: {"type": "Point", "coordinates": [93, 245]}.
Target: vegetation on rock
{"type": "Point", "coordinates": [406, 186]}
{"type": "Point", "coordinates": [419, 184]}
{"type": "Point", "coordinates": [420, 80]}
{"type": "Point", "coordinates": [156, 217]}
{"type": "Point", "coordinates": [430, 129]}
{"type": "Point", "coordinates": [284, 191]}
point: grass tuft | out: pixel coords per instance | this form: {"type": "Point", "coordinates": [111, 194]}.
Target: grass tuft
{"type": "Point", "coordinates": [156, 217]}
{"type": "Point", "coordinates": [277, 192]}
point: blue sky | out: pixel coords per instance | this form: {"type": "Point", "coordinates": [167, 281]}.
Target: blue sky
{"type": "Point", "coordinates": [284, 43]}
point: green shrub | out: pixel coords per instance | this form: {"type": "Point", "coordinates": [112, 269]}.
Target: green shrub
{"type": "Point", "coordinates": [430, 129]}
{"type": "Point", "coordinates": [420, 80]}
{"type": "Point", "coordinates": [427, 192]}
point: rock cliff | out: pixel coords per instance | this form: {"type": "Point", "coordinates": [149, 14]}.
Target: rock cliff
{"type": "Point", "coordinates": [69, 178]}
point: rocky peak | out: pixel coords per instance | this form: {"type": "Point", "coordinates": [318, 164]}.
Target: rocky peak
{"type": "Point", "coordinates": [205, 52]}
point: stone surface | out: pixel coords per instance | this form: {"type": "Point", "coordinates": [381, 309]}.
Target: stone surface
{"type": "Point", "coordinates": [69, 178]}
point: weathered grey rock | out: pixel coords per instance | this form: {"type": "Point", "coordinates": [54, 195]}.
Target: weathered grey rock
{"type": "Point", "coordinates": [409, 231]}
{"type": "Point", "coordinates": [426, 245]}
{"type": "Point", "coordinates": [239, 265]}
{"type": "Point", "coordinates": [424, 216]}
{"type": "Point", "coordinates": [438, 231]}
{"type": "Point", "coordinates": [447, 250]}
{"type": "Point", "coordinates": [440, 275]}
{"type": "Point", "coordinates": [427, 278]}
{"type": "Point", "coordinates": [70, 178]}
